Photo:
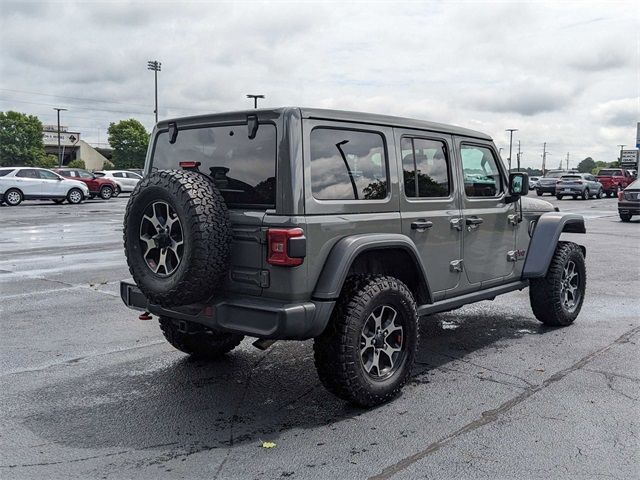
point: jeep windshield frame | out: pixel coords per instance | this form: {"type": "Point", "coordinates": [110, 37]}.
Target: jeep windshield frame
{"type": "Point", "coordinates": [243, 169]}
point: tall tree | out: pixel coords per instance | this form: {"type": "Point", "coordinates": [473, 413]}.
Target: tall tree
{"type": "Point", "coordinates": [129, 140]}
{"type": "Point", "coordinates": [586, 165]}
{"type": "Point", "coordinates": [20, 139]}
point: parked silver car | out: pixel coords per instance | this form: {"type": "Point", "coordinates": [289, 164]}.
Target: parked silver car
{"type": "Point", "coordinates": [577, 185]}
{"type": "Point", "coordinates": [27, 183]}
{"type": "Point", "coordinates": [125, 180]}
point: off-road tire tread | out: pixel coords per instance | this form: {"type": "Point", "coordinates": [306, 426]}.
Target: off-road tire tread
{"type": "Point", "coordinates": [543, 292]}
{"type": "Point", "coordinates": [211, 236]}
{"type": "Point", "coordinates": [333, 360]}
{"type": "Point", "coordinates": [625, 217]}
{"type": "Point", "coordinates": [199, 345]}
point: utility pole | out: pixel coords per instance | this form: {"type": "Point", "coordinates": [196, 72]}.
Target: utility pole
{"type": "Point", "coordinates": [510, 130]}
{"type": "Point", "coordinates": [255, 99]}
{"type": "Point", "coordinates": [156, 66]}
{"type": "Point", "coordinates": [567, 161]}
{"type": "Point", "coordinates": [544, 158]}
{"type": "Point", "coordinates": [59, 151]}
{"type": "Point", "coordinates": [519, 153]}
{"type": "Point", "coordinates": [620, 159]}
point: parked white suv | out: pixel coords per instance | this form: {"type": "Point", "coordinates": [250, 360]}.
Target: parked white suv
{"type": "Point", "coordinates": [28, 183]}
{"type": "Point", "coordinates": [125, 180]}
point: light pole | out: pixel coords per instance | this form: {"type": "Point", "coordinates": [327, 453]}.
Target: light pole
{"type": "Point", "coordinates": [156, 66]}
{"type": "Point", "coordinates": [567, 161]}
{"type": "Point", "coordinates": [519, 153]}
{"type": "Point", "coordinates": [621, 148]}
{"type": "Point", "coordinates": [59, 154]}
{"type": "Point", "coordinates": [255, 99]}
{"type": "Point", "coordinates": [510, 130]}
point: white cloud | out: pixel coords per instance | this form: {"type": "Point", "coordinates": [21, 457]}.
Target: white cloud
{"type": "Point", "coordinates": [560, 74]}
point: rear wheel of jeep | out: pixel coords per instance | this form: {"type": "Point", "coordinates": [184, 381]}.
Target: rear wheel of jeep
{"type": "Point", "coordinates": [177, 237]}
{"type": "Point", "coordinates": [625, 217]}
{"type": "Point", "coordinates": [557, 298]}
{"type": "Point", "coordinates": [366, 353]}
{"type": "Point", "coordinates": [198, 341]}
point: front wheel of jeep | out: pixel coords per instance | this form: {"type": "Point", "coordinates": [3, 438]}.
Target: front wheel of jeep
{"type": "Point", "coordinates": [556, 299]}
{"type": "Point", "coordinates": [197, 340]}
{"type": "Point", "coordinates": [366, 353]}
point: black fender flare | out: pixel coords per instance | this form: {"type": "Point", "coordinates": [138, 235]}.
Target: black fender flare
{"type": "Point", "coordinates": [545, 238]}
{"type": "Point", "coordinates": [347, 249]}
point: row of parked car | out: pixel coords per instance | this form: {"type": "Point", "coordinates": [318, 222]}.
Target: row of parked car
{"type": "Point", "coordinates": [571, 183]}
{"type": "Point", "coordinates": [63, 184]}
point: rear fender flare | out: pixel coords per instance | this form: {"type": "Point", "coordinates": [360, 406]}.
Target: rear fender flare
{"type": "Point", "coordinates": [345, 252]}
{"type": "Point", "coordinates": [545, 238]}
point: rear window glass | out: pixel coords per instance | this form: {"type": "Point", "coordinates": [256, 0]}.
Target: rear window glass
{"type": "Point", "coordinates": [5, 172]}
{"type": "Point", "coordinates": [243, 169]}
{"type": "Point", "coordinates": [348, 165]}
{"type": "Point", "coordinates": [610, 173]}
{"type": "Point", "coordinates": [571, 177]}
{"type": "Point", "coordinates": [554, 174]}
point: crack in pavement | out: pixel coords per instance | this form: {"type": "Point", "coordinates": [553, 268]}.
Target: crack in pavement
{"type": "Point", "coordinates": [78, 359]}
{"type": "Point", "coordinates": [490, 416]}
{"type": "Point", "coordinates": [237, 409]}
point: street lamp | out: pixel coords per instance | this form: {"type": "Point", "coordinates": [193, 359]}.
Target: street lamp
{"type": "Point", "coordinates": [510, 130]}
{"type": "Point", "coordinates": [255, 99]}
{"type": "Point", "coordinates": [59, 153]}
{"type": "Point", "coordinates": [156, 66]}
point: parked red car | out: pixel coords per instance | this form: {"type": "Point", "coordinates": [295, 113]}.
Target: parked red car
{"type": "Point", "coordinates": [614, 180]}
{"type": "Point", "coordinates": [102, 187]}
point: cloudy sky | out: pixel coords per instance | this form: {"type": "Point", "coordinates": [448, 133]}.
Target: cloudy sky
{"type": "Point", "coordinates": [567, 73]}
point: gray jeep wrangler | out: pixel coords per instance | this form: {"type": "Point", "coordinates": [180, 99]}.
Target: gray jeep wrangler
{"type": "Point", "coordinates": [342, 227]}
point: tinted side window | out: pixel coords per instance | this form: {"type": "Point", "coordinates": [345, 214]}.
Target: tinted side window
{"type": "Point", "coordinates": [481, 172]}
{"type": "Point", "coordinates": [83, 174]}
{"type": "Point", "coordinates": [46, 175]}
{"type": "Point", "coordinates": [27, 173]}
{"type": "Point", "coordinates": [133, 175]}
{"type": "Point", "coordinates": [425, 168]}
{"type": "Point", "coordinates": [348, 165]}
{"type": "Point", "coordinates": [118, 175]}
{"type": "Point", "coordinates": [5, 172]}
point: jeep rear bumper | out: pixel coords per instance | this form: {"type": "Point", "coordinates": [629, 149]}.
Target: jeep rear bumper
{"type": "Point", "coordinates": [252, 316]}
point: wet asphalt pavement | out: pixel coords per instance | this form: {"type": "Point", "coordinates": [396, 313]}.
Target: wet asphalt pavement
{"type": "Point", "coordinates": [89, 391]}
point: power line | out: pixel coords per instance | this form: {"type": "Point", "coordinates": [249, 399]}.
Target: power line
{"type": "Point", "coordinates": [129, 112]}
{"type": "Point", "coordinates": [97, 100]}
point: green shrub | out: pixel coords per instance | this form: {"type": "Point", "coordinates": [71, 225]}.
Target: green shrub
{"type": "Point", "coordinates": [47, 161]}
{"type": "Point", "coordinates": [77, 164]}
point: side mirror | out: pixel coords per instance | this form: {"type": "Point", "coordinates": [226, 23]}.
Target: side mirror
{"type": "Point", "coordinates": [518, 185]}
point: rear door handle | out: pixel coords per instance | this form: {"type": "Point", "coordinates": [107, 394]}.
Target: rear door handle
{"type": "Point", "coordinates": [474, 220]}
{"type": "Point", "coordinates": [421, 225]}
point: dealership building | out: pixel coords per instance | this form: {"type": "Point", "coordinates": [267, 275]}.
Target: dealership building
{"type": "Point", "coordinates": [72, 147]}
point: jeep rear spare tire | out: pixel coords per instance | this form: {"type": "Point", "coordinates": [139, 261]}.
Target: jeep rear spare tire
{"type": "Point", "coordinates": [177, 237]}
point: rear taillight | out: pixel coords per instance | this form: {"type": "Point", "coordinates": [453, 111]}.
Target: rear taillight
{"type": "Point", "coordinates": [188, 165]}
{"type": "Point", "coordinates": [287, 246]}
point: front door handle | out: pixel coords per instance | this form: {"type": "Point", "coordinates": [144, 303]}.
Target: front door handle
{"type": "Point", "coordinates": [421, 225]}
{"type": "Point", "coordinates": [473, 220]}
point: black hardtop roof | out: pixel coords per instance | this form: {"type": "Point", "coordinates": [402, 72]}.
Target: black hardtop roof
{"type": "Point", "coordinates": [326, 114]}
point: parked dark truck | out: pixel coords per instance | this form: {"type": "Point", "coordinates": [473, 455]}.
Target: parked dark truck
{"type": "Point", "coordinates": [338, 226]}
{"type": "Point", "coordinates": [614, 180]}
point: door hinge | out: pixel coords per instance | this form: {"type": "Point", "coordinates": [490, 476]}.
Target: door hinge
{"type": "Point", "coordinates": [456, 223]}
{"type": "Point", "coordinates": [513, 219]}
{"type": "Point", "coordinates": [456, 265]}
{"type": "Point", "coordinates": [511, 256]}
